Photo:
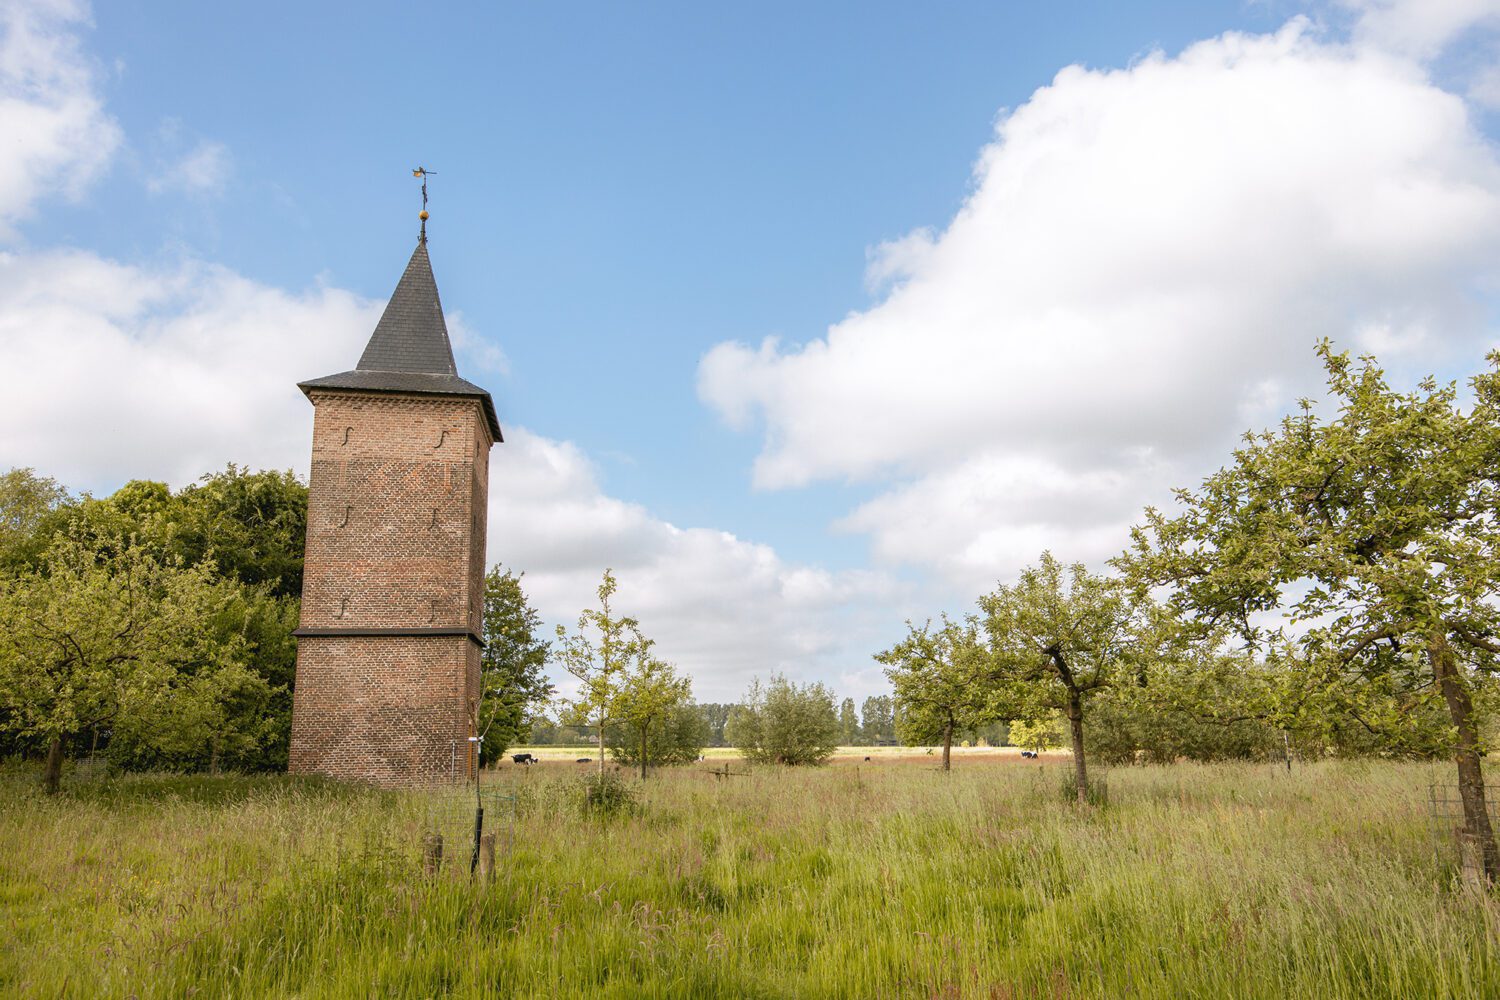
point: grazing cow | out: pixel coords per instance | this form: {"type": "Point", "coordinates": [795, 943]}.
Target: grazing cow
{"type": "Point", "coordinates": [524, 758]}
{"type": "Point", "coordinates": [867, 760]}
{"type": "Point", "coordinates": [1029, 753]}
{"type": "Point", "coordinates": [585, 760]}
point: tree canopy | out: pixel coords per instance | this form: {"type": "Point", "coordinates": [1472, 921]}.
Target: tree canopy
{"type": "Point", "coordinates": [943, 681]}
{"type": "Point", "coordinates": [513, 681]}
{"type": "Point", "coordinates": [781, 722]}
{"type": "Point", "coordinates": [1373, 536]}
{"type": "Point", "coordinates": [1058, 635]}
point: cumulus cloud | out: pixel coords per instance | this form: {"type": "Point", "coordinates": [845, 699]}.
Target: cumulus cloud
{"type": "Point", "coordinates": [1140, 272]}
{"type": "Point", "coordinates": [116, 371]}
{"type": "Point", "coordinates": [57, 137]}
{"type": "Point", "coordinates": [1420, 28]}
{"type": "Point", "coordinates": [721, 607]}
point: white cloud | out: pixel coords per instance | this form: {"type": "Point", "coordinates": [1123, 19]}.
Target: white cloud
{"type": "Point", "coordinates": [721, 607]}
{"type": "Point", "coordinates": [484, 354]}
{"type": "Point", "coordinates": [1141, 271]}
{"type": "Point", "coordinates": [54, 131]}
{"type": "Point", "coordinates": [202, 170]}
{"type": "Point", "coordinates": [1420, 28]}
{"type": "Point", "coordinates": [118, 372]}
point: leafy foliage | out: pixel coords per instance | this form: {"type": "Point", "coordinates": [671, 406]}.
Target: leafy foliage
{"type": "Point", "coordinates": [1058, 636]}
{"type": "Point", "coordinates": [25, 500]}
{"type": "Point", "coordinates": [848, 723]}
{"type": "Point", "coordinates": [878, 728]}
{"type": "Point", "coordinates": [677, 738]}
{"type": "Point", "coordinates": [1045, 732]}
{"type": "Point", "coordinates": [118, 638]}
{"type": "Point", "coordinates": [785, 723]}
{"type": "Point", "coordinates": [1376, 533]}
{"type": "Point", "coordinates": [651, 695]}
{"type": "Point", "coordinates": [599, 655]}
{"type": "Point", "coordinates": [513, 683]}
{"type": "Point", "coordinates": [604, 794]}
{"type": "Point", "coordinates": [241, 532]}
{"type": "Point", "coordinates": [943, 683]}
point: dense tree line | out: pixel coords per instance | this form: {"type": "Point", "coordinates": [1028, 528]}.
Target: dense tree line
{"type": "Point", "coordinates": [150, 625]}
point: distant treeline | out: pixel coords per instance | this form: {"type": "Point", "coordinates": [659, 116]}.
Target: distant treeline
{"type": "Point", "coordinates": [874, 726]}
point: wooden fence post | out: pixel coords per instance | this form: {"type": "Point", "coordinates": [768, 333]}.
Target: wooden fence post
{"type": "Point", "coordinates": [432, 853]}
{"type": "Point", "coordinates": [486, 857]}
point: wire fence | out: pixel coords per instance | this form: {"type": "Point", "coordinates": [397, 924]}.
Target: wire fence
{"type": "Point", "coordinates": [1454, 844]}
{"type": "Point", "coordinates": [456, 819]}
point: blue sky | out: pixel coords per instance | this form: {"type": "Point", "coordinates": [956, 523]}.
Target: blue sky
{"type": "Point", "coordinates": [990, 342]}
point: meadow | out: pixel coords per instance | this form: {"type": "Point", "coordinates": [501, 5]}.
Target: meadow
{"type": "Point", "coordinates": [855, 880]}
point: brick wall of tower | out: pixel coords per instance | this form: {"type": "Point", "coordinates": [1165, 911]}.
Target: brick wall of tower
{"type": "Point", "coordinates": [395, 539]}
{"type": "Point", "coordinates": [384, 709]}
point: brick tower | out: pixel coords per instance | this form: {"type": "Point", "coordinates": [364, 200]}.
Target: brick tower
{"type": "Point", "coordinates": [388, 648]}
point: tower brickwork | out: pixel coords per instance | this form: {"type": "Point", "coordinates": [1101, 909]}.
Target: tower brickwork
{"type": "Point", "coordinates": [387, 682]}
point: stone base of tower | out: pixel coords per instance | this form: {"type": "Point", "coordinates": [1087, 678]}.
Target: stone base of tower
{"type": "Point", "coordinates": [390, 710]}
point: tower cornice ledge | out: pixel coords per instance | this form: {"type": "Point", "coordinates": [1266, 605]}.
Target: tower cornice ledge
{"type": "Point", "coordinates": [351, 631]}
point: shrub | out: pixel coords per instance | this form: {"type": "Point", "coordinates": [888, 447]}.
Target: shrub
{"type": "Point", "coordinates": [785, 723]}
{"type": "Point", "coordinates": [606, 794]}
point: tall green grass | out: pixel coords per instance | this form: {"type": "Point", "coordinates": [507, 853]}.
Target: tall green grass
{"type": "Point", "coordinates": [1230, 881]}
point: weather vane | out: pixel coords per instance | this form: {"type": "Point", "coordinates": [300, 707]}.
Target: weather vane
{"type": "Point", "coordinates": [423, 173]}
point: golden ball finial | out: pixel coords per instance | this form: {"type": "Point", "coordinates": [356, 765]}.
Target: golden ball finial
{"type": "Point", "coordinates": [422, 215]}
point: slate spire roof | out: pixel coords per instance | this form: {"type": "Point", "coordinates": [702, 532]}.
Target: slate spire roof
{"type": "Point", "coordinates": [409, 352]}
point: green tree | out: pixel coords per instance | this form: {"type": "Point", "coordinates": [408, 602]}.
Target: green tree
{"type": "Point", "coordinates": [1058, 636]}
{"type": "Point", "coordinates": [253, 525]}
{"type": "Point", "coordinates": [848, 723]}
{"type": "Point", "coordinates": [785, 723]}
{"type": "Point", "coordinates": [1377, 531]}
{"type": "Point", "coordinates": [943, 681]}
{"type": "Point", "coordinates": [678, 738]}
{"type": "Point", "coordinates": [716, 715]}
{"type": "Point", "coordinates": [599, 655]}
{"type": "Point", "coordinates": [94, 638]}
{"type": "Point", "coordinates": [230, 714]}
{"type": "Point", "coordinates": [879, 715]}
{"type": "Point", "coordinates": [25, 501]}
{"type": "Point", "coordinates": [1041, 733]}
{"type": "Point", "coordinates": [248, 527]}
{"type": "Point", "coordinates": [513, 682]}
{"type": "Point", "coordinates": [650, 695]}
{"type": "Point", "coordinates": [1200, 704]}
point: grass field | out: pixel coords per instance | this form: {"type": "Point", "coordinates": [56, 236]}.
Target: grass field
{"type": "Point", "coordinates": [848, 881]}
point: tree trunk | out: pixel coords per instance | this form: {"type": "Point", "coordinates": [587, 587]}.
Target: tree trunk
{"type": "Point", "coordinates": [213, 757]}
{"type": "Point", "coordinates": [1080, 766]}
{"type": "Point", "coordinates": [643, 753]}
{"type": "Point", "coordinates": [52, 776]}
{"type": "Point", "coordinates": [601, 748]}
{"type": "Point", "coordinates": [1466, 755]}
{"type": "Point", "coordinates": [948, 746]}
